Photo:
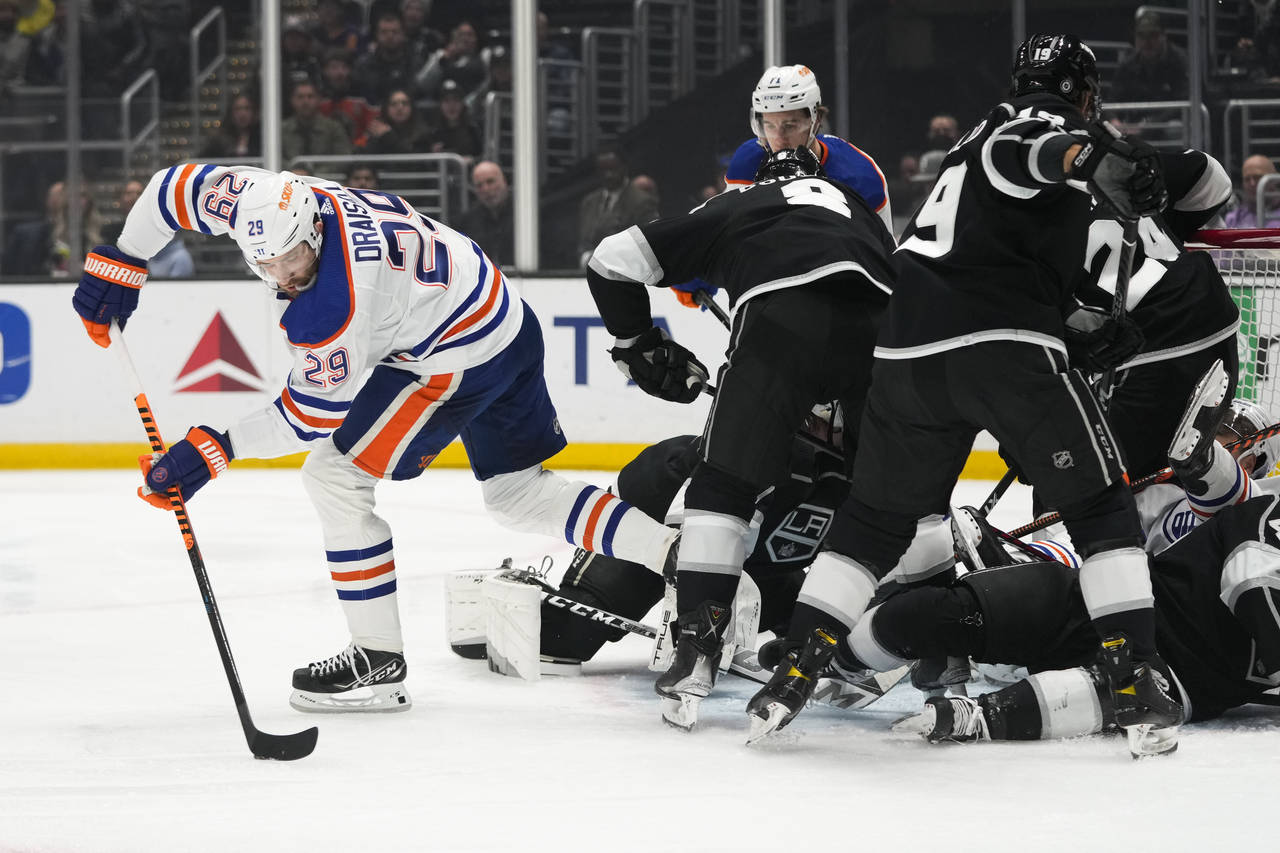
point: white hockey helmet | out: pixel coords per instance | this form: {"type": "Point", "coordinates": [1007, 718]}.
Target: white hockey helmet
{"type": "Point", "coordinates": [783, 88]}
{"type": "Point", "coordinates": [275, 215]}
{"type": "Point", "coordinates": [1243, 419]}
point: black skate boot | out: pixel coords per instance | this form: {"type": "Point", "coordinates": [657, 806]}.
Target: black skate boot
{"type": "Point", "coordinates": [1144, 705]}
{"type": "Point", "coordinates": [1191, 450]}
{"type": "Point", "coordinates": [355, 679]}
{"type": "Point", "coordinates": [943, 718]}
{"type": "Point", "coordinates": [794, 679]}
{"type": "Point", "coordinates": [695, 663]}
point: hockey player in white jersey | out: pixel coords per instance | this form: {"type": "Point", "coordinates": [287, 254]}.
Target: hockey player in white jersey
{"type": "Point", "coordinates": [448, 347]}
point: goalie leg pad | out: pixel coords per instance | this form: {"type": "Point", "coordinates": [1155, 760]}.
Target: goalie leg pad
{"type": "Point", "coordinates": [513, 627]}
{"type": "Point", "coordinates": [465, 613]}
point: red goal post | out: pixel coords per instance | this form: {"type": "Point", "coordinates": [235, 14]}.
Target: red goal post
{"type": "Point", "coordinates": [1249, 261]}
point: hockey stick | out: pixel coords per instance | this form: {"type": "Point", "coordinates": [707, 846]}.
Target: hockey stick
{"type": "Point", "coordinates": [1164, 475]}
{"type": "Point", "coordinates": [261, 744]}
{"type": "Point", "coordinates": [830, 691]}
{"type": "Point", "coordinates": [1128, 244]}
{"type": "Point", "coordinates": [706, 300]}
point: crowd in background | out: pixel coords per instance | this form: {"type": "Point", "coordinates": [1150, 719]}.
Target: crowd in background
{"type": "Point", "coordinates": [411, 76]}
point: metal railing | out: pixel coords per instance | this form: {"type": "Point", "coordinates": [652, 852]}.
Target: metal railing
{"type": "Point", "coordinates": [608, 58]}
{"type": "Point", "coordinates": [560, 102]}
{"type": "Point", "coordinates": [1259, 130]}
{"type": "Point", "coordinates": [435, 184]}
{"type": "Point", "coordinates": [129, 142]}
{"type": "Point", "coordinates": [1160, 123]}
{"type": "Point", "coordinates": [664, 54]}
{"type": "Point", "coordinates": [218, 64]}
{"type": "Point", "coordinates": [497, 128]}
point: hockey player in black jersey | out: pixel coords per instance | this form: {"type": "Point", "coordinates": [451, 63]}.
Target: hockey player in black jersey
{"type": "Point", "coordinates": [806, 264]}
{"type": "Point", "coordinates": [973, 339]}
{"type": "Point", "coordinates": [1176, 297]}
{"type": "Point", "coordinates": [1216, 592]}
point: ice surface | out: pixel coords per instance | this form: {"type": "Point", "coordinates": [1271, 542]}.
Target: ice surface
{"type": "Point", "coordinates": [117, 732]}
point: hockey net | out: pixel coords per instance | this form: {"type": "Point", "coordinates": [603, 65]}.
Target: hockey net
{"type": "Point", "coordinates": [1250, 265]}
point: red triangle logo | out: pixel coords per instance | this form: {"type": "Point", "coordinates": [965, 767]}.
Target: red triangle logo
{"type": "Point", "coordinates": [218, 343]}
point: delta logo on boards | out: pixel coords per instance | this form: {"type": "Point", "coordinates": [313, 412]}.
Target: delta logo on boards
{"type": "Point", "coordinates": [218, 363]}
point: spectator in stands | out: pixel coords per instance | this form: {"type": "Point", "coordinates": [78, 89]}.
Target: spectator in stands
{"type": "Point", "coordinates": [333, 31]}
{"type": "Point", "coordinates": [452, 129]}
{"type": "Point", "coordinates": [339, 102]}
{"type": "Point", "coordinates": [14, 47]}
{"type": "Point", "coordinates": [1245, 214]}
{"type": "Point", "coordinates": [387, 66]}
{"type": "Point", "coordinates": [240, 134]}
{"type": "Point", "coordinates": [168, 26]}
{"type": "Point", "coordinates": [298, 62]}
{"type": "Point", "coordinates": [1156, 69]}
{"type": "Point", "coordinates": [617, 205]}
{"type": "Point", "coordinates": [46, 60]}
{"type": "Point", "coordinates": [491, 221]}
{"type": "Point", "coordinates": [944, 133]}
{"type": "Point", "coordinates": [459, 60]}
{"type": "Point", "coordinates": [399, 130]}
{"type": "Point", "coordinates": [1259, 50]}
{"type": "Point", "coordinates": [308, 132]}
{"type": "Point", "coordinates": [113, 48]}
{"type": "Point", "coordinates": [421, 40]}
{"type": "Point", "coordinates": [499, 79]}
{"type": "Point", "coordinates": [362, 176]}
{"type": "Point", "coordinates": [909, 187]}
{"type": "Point", "coordinates": [173, 261]}
{"type": "Point", "coordinates": [43, 248]}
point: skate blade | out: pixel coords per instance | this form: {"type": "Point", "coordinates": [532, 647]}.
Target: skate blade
{"type": "Point", "coordinates": [1145, 741]}
{"type": "Point", "coordinates": [774, 718]}
{"type": "Point", "coordinates": [379, 699]}
{"type": "Point", "coordinates": [681, 712]}
{"type": "Point", "coordinates": [920, 723]}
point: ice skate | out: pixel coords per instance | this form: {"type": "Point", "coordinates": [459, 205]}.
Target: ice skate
{"type": "Point", "coordinates": [955, 718]}
{"type": "Point", "coordinates": [1191, 450]}
{"type": "Point", "coordinates": [793, 682]}
{"type": "Point", "coordinates": [694, 665]}
{"type": "Point", "coordinates": [355, 679]}
{"type": "Point", "coordinates": [1144, 704]}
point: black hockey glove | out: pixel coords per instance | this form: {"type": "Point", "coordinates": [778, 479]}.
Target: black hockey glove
{"type": "Point", "coordinates": [1123, 175]}
{"type": "Point", "coordinates": [1106, 346]}
{"type": "Point", "coordinates": [661, 367]}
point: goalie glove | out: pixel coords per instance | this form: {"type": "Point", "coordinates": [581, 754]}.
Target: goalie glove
{"type": "Point", "coordinates": [1123, 175]}
{"type": "Point", "coordinates": [108, 290]}
{"type": "Point", "coordinates": [187, 465]}
{"type": "Point", "coordinates": [660, 366]}
{"type": "Point", "coordinates": [1108, 344]}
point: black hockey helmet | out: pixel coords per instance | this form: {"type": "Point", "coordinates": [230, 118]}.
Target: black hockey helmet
{"type": "Point", "coordinates": [1059, 65]}
{"type": "Point", "coordinates": [790, 163]}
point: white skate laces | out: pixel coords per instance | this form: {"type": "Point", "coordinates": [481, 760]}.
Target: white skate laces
{"type": "Point", "coordinates": [345, 659]}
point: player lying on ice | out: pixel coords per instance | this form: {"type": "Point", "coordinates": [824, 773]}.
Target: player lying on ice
{"type": "Point", "coordinates": [404, 336]}
{"type": "Point", "coordinates": [1214, 554]}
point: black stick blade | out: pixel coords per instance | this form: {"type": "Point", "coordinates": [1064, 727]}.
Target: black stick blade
{"type": "Point", "coordinates": [283, 747]}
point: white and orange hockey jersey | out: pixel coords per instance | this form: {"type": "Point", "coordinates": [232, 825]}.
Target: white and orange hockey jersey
{"type": "Point", "coordinates": [393, 287]}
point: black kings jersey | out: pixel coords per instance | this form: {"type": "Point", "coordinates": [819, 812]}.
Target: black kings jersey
{"type": "Point", "coordinates": [1177, 297]}
{"type": "Point", "coordinates": [749, 240]}
{"type": "Point", "coordinates": [1216, 594]}
{"type": "Point", "coordinates": [993, 252]}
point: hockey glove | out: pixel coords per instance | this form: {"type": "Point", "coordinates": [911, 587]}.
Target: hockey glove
{"type": "Point", "coordinates": [108, 290]}
{"type": "Point", "coordinates": [1123, 175]}
{"type": "Point", "coordinates": [686, 293]}
{"type": "Point", "coordinates": [188, 465]}
{"type": "Point", "coordinates": [660, 366]}
{"type": "Point", "coordinates": [1107, 346]}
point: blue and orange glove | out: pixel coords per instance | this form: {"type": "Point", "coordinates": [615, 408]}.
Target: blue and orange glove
{"type": "Point", "coordinates": [108, 290]}
{"type": "Point", "coordinates": [687, 291]}
{"type": "Point", "coordinates": [188, 464]}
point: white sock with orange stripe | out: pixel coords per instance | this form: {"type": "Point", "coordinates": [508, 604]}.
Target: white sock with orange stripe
{"type": "Point", "coordinates": [538, 501]}
{"type": "Point", "coordinates": [358, 548]}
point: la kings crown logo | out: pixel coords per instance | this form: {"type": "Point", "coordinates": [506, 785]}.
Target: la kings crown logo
{"type": "Point", "coordinates": [799, 535]}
